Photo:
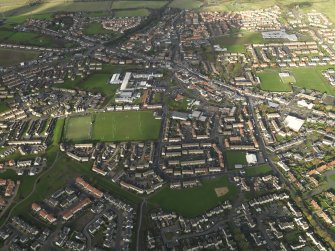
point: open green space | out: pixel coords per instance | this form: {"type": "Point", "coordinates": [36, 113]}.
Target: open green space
{"type": "Point", "coordinates": [113, 126]}
{"type": "Point", "coordinates": [236, 42]}
{"type": "Point", "coordinates": [96, 83]}
{"type": "Point", "coordinates": [258, 170]}
{"type": "Point", "coordinates": [138, 4]}
{"type": "Point", "coordinates": [124, 126]}
{"type": "Point", "coordinates": [235, 157]}
{"type": "Point", "coordinates": [186, 4]}
{"type": "Point", "coordinates": [78, 128]}
{"type": "Point", "coordinates": [173, 105]}
{"type": "Point", "coordinates": [97, 28]}
{"type": "Point", "coordinates": [191, 202]}
{"type": "Point", "coordinates": [132, 13]}
{"type": "Point", "coordinates": [3, 107]}
{"type": "Point", "coordinates": [311, 78]}
{"type": "Point", "coordinates": [31, 38]}
{"type": "Point", "coordinates": [270, 81]}
{"type": "Point", "coordinates": [10, 57]}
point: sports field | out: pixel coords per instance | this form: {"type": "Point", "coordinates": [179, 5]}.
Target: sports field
{"type": "Point", "coordinates": [311, 78]}
{"type": "Point", "coordinates": [235, 157]}
{"type": "Point", "coordinates": [287, 79]}
{"type": "Point", "coordinates": [191, 202]}
{"type": "Point", "coordinates": [113, 126]}
{"type": "Point", "coordinates": [270, 81]}
{"type": "Point", "coordinates": [78, 128]}
{"type": "Point", "coordinates": [124, 126]}
{"type": "Point", "coordinates": [10, 57]}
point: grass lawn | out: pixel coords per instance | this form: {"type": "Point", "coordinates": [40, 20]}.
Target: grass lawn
{"type": "Point", "coordinates": [191, 202]}
{"type": "Point", "coordinates": [10, 57]}
{"type": "Point", "coordinates": [270, 81]}
{"type": "Point", "coordinates": [311, 78]}
{"type": "Point", "coordinates": [132, 13]}
{"type": "Point", "coordinates": [78, 128]}
{"type": "Point", "coordinates": [31, 38]}
{"type": "Point", "coordinates": [186, 4]}
{"type": "Point", "coordinates": [3, 107]}
{"type": "Point", "coordinates": [236, 42]}
{"type": "Point", "coordinates": [138, 4]}
{"type": "Point", "coordinates": [99, 83]}
{"type": "Point", "coordinates": [97, 28]}
{"type": "Point", "coordinates": [258, 170]}
{"type": "Point", "coordinates": [124, 126]}
{"type": "Point", "coordinates": [235, 157]}
{"type": "Point", "coordinates": [173, 105]}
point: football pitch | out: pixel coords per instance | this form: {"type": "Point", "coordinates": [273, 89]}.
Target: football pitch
{"type": "Point", "coordinates": [270, 81]}
{"type": "Point", "coordinates": [125, 126]}
{"type": "Point", "coordinates": [78, 128]}
{"type": "Point", "coordinates": [113, 126]}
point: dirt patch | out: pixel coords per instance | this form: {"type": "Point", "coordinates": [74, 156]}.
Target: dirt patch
{"type": "Point", "coordinates": [221, 191]}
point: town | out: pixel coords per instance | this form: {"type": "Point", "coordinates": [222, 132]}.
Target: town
{"type": "Point", "coordinates": [167, 125]}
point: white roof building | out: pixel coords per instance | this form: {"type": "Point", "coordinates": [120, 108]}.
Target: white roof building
{"type": "Point", "coordinates": [293, 123]}
{"type": "Point", "coordinates": [251, 158]}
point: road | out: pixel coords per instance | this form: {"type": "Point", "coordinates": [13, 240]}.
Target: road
{"type": "Point", "coordinates": [139, 227]}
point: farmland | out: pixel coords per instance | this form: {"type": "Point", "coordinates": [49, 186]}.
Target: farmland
{"type": "Point", "coordinates": [31, 38]}
{"type": "Point", "coordinates": [186, 4]}
{"type": "Point", "coordinates": [191, 202]}
{"type": "Point", "coordinates": [138, 4]}
{"type": "Point", "coordinates": [270, 81]}
{"type": "Point", "coordinates": [113, 126]}
{"type": "Point", "coordinates": [10, 57]}
{"type": "Point", "coordinates": [132, 13]}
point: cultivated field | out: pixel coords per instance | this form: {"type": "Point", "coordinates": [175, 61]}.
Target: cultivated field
{"type": "Point", "coordinates": [78, 128]}
{"type": "Point", "coordinates": [186, 4]}
{"type": "Point", "coordinates": [132, 13]}
{"type": "Point", "coordinates": [191, 202]}
{"type": "Point", "coordinates": [138, 4]}
{"type": "Point", "coordinates": [10, 57]}
{"type": "Point", "coordinates": [270, 81]}
{"type": "Point", "coordinates": [124, 126]}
